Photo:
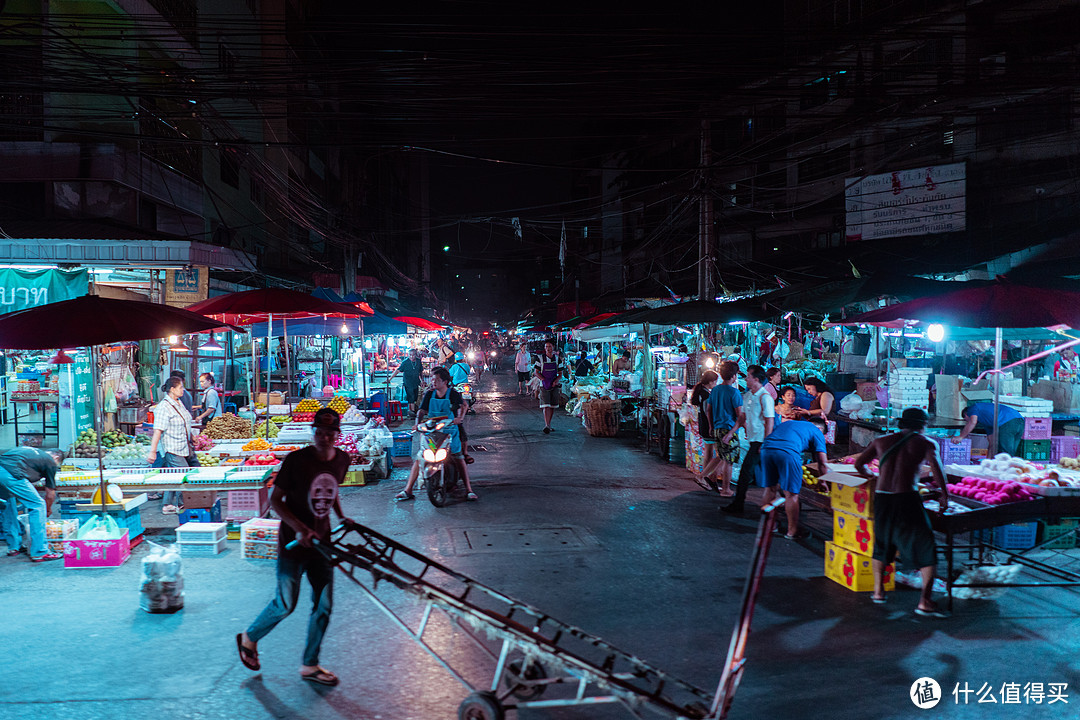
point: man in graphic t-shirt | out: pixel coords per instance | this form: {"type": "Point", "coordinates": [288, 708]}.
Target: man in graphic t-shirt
{"type": "Point", "coordinates": [305, 491]}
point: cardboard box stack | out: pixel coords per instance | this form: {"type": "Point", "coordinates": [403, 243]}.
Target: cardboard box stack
{"type": "Point", "coordinates": [848, 556]}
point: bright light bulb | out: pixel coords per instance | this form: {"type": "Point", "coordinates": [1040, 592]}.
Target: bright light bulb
{"type": "Point", "coordinates": [936, 333]}
{"type": "Point", "coordinates": [367, 344]}
{"type": "Point", "coordinates": [710, 363]}
{"type": "Point", "coordinates": [344, 328]}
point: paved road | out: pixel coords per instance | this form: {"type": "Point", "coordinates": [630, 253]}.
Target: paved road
{"type": "Point", "coordinates": [658, 572]}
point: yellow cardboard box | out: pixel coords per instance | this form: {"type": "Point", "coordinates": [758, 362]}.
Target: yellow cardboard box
{"type": "Point", "coordinates": [353, 478]}
{"type": "Point", "coordinates": [854, 571]}
{"type": "Point", "coordinates": [853, 532]}
{"type": "Point", "coordinates": [850, 493]}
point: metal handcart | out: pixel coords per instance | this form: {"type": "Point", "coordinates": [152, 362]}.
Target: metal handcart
{"type": "Point", "coordinates": [532, 651]}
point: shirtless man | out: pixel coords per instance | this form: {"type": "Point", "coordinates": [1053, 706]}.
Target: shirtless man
{"type": "Point", "coordinates": [900, 521]}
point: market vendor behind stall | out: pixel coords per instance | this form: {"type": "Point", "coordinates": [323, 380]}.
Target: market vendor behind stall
{"type": "Point", "coordinates": [1010, 424]}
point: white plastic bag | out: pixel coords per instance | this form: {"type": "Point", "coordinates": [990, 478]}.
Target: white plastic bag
{"type": "Point", "coordinates": [161, 588]}
{"type": "Point", "coordinates": [872, 355]}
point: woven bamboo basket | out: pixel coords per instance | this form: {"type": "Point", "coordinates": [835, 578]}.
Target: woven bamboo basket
{"type": "Point", "coordinates": [601, 417]}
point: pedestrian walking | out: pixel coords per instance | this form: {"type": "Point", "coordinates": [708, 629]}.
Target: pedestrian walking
{"type": "Point", "coordinates": [523, 367]}
{"type": "Point", "coordinates": [725, 418]}
{"type": "Point", "coordinates": [549, 371]}
{"type": "Point", "coordinates": [20, 468]}
{"type": "Point", "coordinates": [172, 434]}
{"type": "Point", "coordinates": [699, 396]}
{"type": "Point", "coordinates": [759, 412]}
{"type": "Point", "coordinates": [901, 525]}
{"type": "Point", "coordinates": [305, 490]}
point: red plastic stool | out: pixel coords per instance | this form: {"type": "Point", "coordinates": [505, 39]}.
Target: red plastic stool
{"type": "Point", "coordinates": [393, 410]}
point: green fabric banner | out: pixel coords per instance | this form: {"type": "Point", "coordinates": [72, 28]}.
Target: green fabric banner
{"type": "Point", "coordinates": [21, 289]}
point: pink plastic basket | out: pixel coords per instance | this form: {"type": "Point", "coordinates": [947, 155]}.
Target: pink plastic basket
{"type": "Point", "coordinates": [1063, 446]}
{"type": "Point", "coordinates": [1037, 428]}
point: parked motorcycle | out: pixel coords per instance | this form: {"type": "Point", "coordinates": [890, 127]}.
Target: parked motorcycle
{"type": "Point", "coordinates": [438, 472]}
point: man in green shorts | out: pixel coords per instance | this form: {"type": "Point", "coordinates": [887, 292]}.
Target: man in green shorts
{"type": "Point", "coordinates": [900, 522]}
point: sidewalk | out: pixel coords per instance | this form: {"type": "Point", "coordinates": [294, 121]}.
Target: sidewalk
{"type": "Point", "coordinates": [659, 573]}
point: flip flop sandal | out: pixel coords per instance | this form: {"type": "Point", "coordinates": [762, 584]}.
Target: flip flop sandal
{"type": "Point", "coordinates": [321, 677]}
{"type": "Point", "coordinates": [13, 553]}
{"type": "Point", "coordinates": [472, 496]}
{"type": "Point", "coordinates": [249, 657]}
{"type": "Point", "coordinates": [404, 496]}
{"type": "Point", "coordinates": [46, 557]}
{"type": "Point", "coordinates": [469, 459]}
{"type": "Point", "coordinates": [879, 600]}
{"type": "Point", "coordinates": [935, 613]}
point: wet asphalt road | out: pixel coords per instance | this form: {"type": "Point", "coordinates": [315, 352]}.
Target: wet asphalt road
{"type": "Point", "coordinates": [652, 567]}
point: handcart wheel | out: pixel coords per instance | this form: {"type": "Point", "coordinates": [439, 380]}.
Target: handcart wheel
{"type": "Point", "coordinates": [480, 706]}
{"type": "Point", "coordinates": [513, 676]}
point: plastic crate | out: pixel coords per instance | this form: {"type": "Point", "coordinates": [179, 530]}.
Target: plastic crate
{"type": "Point", "coordinates": [1037, 428]}
{"type": "Point", "coordinates": [248, 503]}
{"type": "Point", "coordinates": [259, 539]}
{"type": "Point", "coordinates": [193, 532]}
{"type": "Point", "coordinates": [204, 549]}
{"type": "Point", "coordinates": [1059, 536]}
{"type": "Point", "coordinates": [202, 515]}
{"type": "Point", "coordinates": [1018, 536]}
{"type": "Point", "coordinates": [954, 453]}
{"type": "Point", "coordinates": [1064, 446]}
{"type": "Point", "coordinates": [402, 446]}
{"type": "Point", "coordinates": [1035, 449]}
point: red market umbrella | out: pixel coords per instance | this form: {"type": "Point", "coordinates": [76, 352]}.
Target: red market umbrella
{"type": "Point", "coordinates": [252, 306]}
{"type": "Point", "coordinates": [999, 304]}
{"type": "Point", "coordinates": [422, 323]}
{"type": "Point", "coordinates": [91, 320]}
{"type": "Point", "coordinates": [94, 320]}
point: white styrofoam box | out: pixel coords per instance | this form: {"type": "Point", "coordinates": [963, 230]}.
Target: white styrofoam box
{"type": "Point", "coordinates": [196, 549]}
{"type": "Point", "coordinates": [196, 532]}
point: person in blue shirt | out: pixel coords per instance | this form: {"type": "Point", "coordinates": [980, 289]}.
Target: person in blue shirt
{"type": "Point", "coordinates": [1010, 425]}
{"type": "Point", "coordinates": [781, 464]}
{"type": "Point", "coordinates": [724, 408]}
{"type": "Point", "coordinates": [459, 371]}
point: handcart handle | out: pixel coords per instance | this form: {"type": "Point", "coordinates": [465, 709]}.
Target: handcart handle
{"type": "Point", "coordinates": [296, 543]}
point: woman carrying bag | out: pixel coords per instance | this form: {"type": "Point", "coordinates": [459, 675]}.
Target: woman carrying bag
{"type": "Point", "coordinates": [172, 431]}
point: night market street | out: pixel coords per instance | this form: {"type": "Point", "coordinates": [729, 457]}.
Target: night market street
{"type": "Point", "coordinates": [657, 572]}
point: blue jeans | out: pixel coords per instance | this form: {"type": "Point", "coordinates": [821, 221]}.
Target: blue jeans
{"type": "Point", "coordinates": [22, 491]}
{"type": "Point", "coordinates": [168, 459]}
{"type": "Point", "coordinates": [291, 567]}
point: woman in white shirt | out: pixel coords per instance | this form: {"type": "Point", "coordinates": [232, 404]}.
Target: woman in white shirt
{"type": "Point", "coordinates": [172, 435]}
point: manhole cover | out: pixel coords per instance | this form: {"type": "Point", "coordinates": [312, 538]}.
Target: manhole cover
{"type": "Point", "coordinates": [520, 539]}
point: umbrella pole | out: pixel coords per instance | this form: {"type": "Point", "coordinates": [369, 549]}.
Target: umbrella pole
{"type": "Point", "coordinates": [288, 374]}
{"type": "Point", "coordinates": [269, 366]}
{"type": "Point", "coordinates": [997, 390]}
{"type": "Point", "coordinates": [253, 376]}
{"type": "Point", "coordinates": [98, 424]}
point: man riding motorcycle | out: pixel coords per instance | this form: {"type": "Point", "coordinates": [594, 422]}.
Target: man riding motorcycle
{"type": "Point", "coordinates": [442, 400]}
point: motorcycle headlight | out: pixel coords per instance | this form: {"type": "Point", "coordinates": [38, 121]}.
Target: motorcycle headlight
{"type": "Point", "coordinates": [440, 454]}
{"type": "Point", "coordinates": [492, 353]}
{"type": "Point", "coordinates": [429, 455]}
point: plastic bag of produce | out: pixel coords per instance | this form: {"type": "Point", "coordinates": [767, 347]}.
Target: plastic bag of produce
{"type": "Point", "coordinates": [100, 528]}
{"type": "Point", "coordinates": [851, 403]}
{"type": "Point", "coordinates": [161, 587]}
{"type": "Point", "coordinates": [383, 436]}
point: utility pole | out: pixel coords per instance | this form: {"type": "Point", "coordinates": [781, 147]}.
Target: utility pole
{"type": "Point", "coordinates": [705, 218]}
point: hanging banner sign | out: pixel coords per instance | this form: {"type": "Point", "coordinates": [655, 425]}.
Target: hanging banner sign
{"type": "Point", "coordinates": [21, 289]}
{"type": "Point", "coordinates": [186, 286]}
{"type": "Point", "coordinates": [908, 202]}
{"type": "Point", "coordinates": [83, 394]}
